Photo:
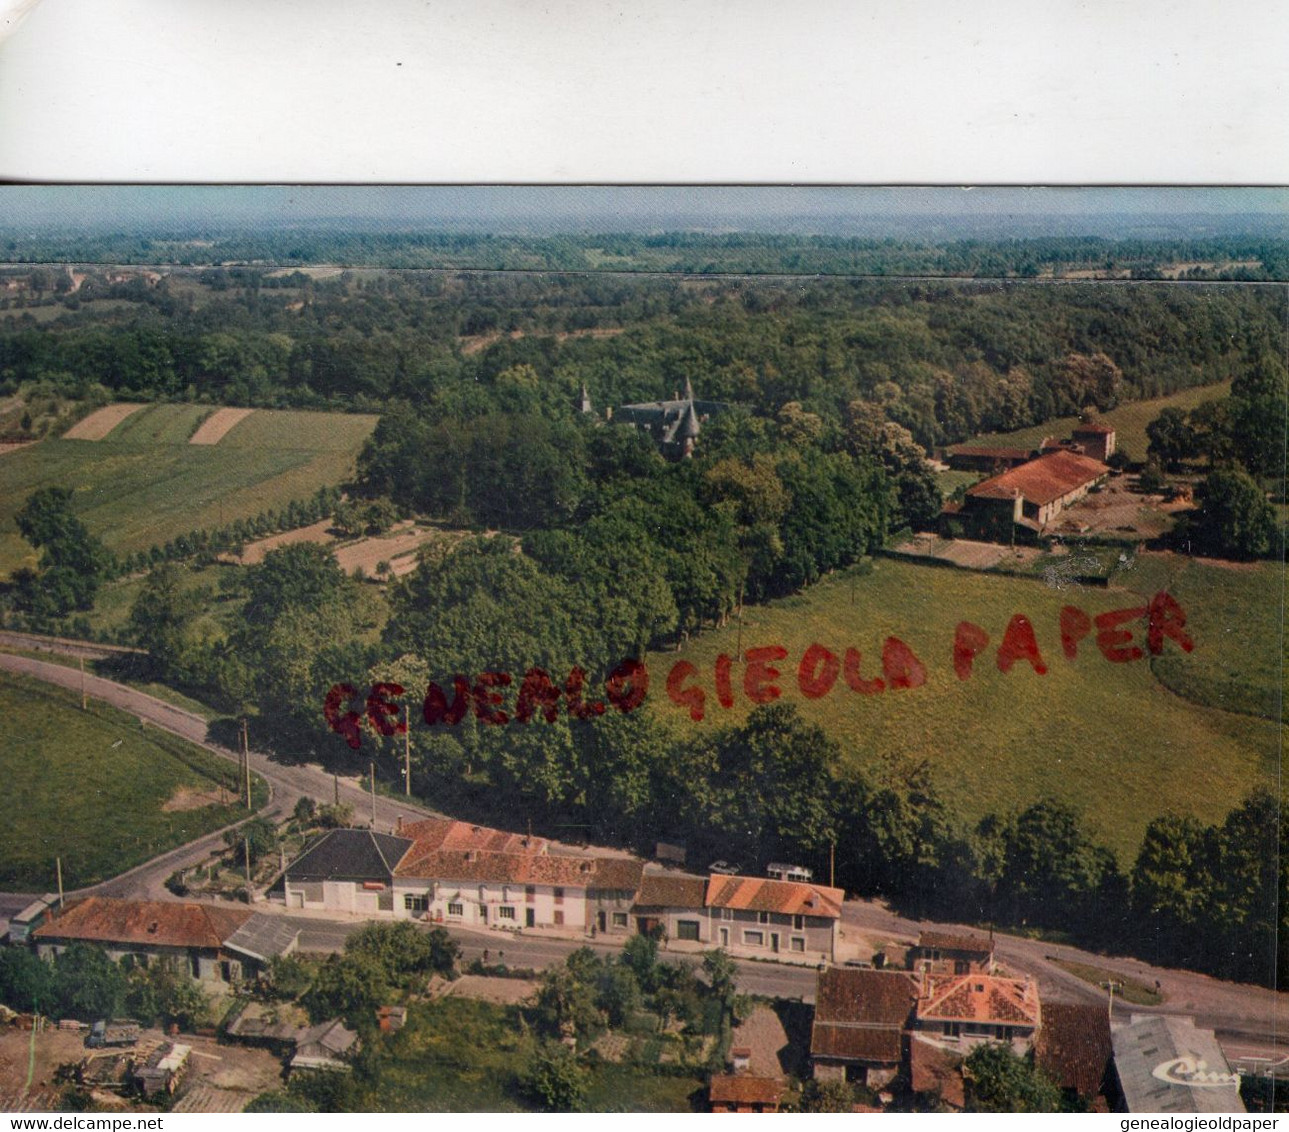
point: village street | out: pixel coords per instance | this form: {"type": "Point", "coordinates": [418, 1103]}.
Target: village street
{"type": "Point", "coordinates": [1252, 1016]}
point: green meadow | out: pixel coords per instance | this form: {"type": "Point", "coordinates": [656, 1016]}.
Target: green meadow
{"type": "Point", "coordinates": [1129, 421]}
{"type": "Point", "coordinates": [144, 484]}
{"type": "Point", "coordinates": [1109, 738]}
{"type": "Point", "coordinates": [90, 787]}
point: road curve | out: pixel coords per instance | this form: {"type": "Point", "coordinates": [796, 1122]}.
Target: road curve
{"type": "Point", "coordinates": [1250, 1012]}
{"type": "Point", "coordinates": [286, 783]}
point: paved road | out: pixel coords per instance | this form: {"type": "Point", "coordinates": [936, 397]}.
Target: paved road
{"type": "Point", "coordinates": [773, 980]}
{"type": "Point", "coordinates": [286, 783]}
{"type": "Point", "coordinates": [1253, 1014]}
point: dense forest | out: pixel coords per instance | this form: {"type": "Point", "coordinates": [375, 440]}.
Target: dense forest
{"type": "Point", "coordinates": [943, 359]}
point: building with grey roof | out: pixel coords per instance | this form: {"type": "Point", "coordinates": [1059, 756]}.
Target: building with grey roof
{"type": "Point", "coordinates": [674, 425]}
{"type": "Point", "coordinates": [347, 870]}
{"type": "Point", "coordinates": [1167, 1064]}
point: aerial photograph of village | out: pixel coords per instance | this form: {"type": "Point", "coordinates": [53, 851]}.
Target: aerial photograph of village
{"type": "Point", "coordinates": [642, 649]}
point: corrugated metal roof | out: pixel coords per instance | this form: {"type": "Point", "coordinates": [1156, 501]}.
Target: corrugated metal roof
{"type": "Point", "coordinates": [1167, 1064]}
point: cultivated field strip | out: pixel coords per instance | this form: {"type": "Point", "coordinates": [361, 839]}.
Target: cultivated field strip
{"type": "Point", "coordinates": [101, 422]}
{"type": "Point", "coordinates": [218, 425]}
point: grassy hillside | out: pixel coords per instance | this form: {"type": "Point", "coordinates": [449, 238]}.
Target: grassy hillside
{"type": "Point", "coordinates": [144, 483]}
{"type": "Point", "coordinates": [1108, 738]}
{"type": "Point", "coordinates": [1129, 421]}
{"type": "Point", "coordinates": [89, 787]}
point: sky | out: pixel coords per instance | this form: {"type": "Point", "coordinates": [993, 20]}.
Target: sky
{"type": "Point", "coordinates": [541, 210]}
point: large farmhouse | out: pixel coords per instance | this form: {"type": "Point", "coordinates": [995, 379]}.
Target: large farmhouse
{"type": "Point", "coordinates": [1028, 497]}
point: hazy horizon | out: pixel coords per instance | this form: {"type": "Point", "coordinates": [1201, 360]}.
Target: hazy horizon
{"type": "Point", "coordinates": [542, 210]}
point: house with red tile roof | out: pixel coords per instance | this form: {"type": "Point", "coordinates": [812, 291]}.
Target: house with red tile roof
{"type": "Point", "coordinates": [481, 888]}
{"type": "Point", "coordinates": [1032, 495]}
{"type": "Point", "coordinates": [741, 1092]}
{"type": "Point", "coordinates": [193, 937]}
{"type": "Point", "coordinates": [761, 918]}
{"type": "Point", "coordinates": [1074, 1048]}
{"type": "Point", "coordinates": [446, 833]}
{"type": "Point", "coordinates": [860, 1021]}
{"type": "Point", "coordinates": [962, 1011]}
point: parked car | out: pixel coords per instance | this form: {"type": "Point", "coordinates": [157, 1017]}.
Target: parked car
{"type": "Point", "coordinates": [723, 868]}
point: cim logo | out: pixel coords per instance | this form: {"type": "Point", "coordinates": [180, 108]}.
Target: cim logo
{"type": "Point", "coordinates": [1194, 1073]}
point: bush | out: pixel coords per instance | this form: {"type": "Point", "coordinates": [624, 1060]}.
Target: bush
{"type": "Point", "coordinates": [554, 1079]}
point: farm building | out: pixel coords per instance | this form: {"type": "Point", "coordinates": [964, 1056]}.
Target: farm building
{"type": "Point", "coordinates": [1030, 496]}
{"type": "Point", "coordinates": [741, 1092]}
{"type": "Point", "coordinates": [1074, 1049]}
{"type": "Point", "coordinates": [194, 937]}
{"type": "Point", "coordinates": [983, 458]}
{"type": "Point", "coordinates": [1096, 440]}
{"type": "Point", "coordinates": [946, 953]}
{"type": "Point", "coordinates": [1168, 1064]}
{"type": "Point", "coordinates": [860, 1020]}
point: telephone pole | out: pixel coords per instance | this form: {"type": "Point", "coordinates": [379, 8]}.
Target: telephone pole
{"type": "Point", "coordinates": [58, 865]}
{"type": "Point", "coordinates": [372, 768]}
{"type": "Point", "coordinates": [407, 750]}
{"type": "Point", "coordinates": [1111, 985]}
{"type": "Point", "coordinates": [246, 761]}
{"type": "Point", "coordinates": [83, 702]}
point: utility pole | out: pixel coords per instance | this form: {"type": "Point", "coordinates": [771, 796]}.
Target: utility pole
{"type": "Point", "coordinates": [246, 854]}
{"type": "Point", "coordinates": [58, 865]}
{"type": "Point", "coordinates": [407, 750]}
{"type": "Point", "coordinates": [335, 784]}
{"type": "Point", "coordinates": [738, 651]}
{"type": "Point", "coordinates": [832, 864]}
{"type": "Point", "coordinates": [246, 763]}
{"type": "Point", "coordinates": [372, 767]}
{"type": "Point", "coordinates": [1111, 985]}
{"type": "Point", "coordinates": [83, 703]}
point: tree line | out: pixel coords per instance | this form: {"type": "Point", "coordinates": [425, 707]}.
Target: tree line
{"type": "Point", "coordinates": [1240, 441]}
{"type": "Point", "coordinates": [945, 359]}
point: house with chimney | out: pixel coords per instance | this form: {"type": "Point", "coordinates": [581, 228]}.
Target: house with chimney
{"type": "Point", "coordinates": [1025, 500]}
{"type": "Point", "coordinates": [197, 939]}
{"type": "Point", "coordinates": [758, 918]}
{"type": "Point", "coordinates": [964, 1011]}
